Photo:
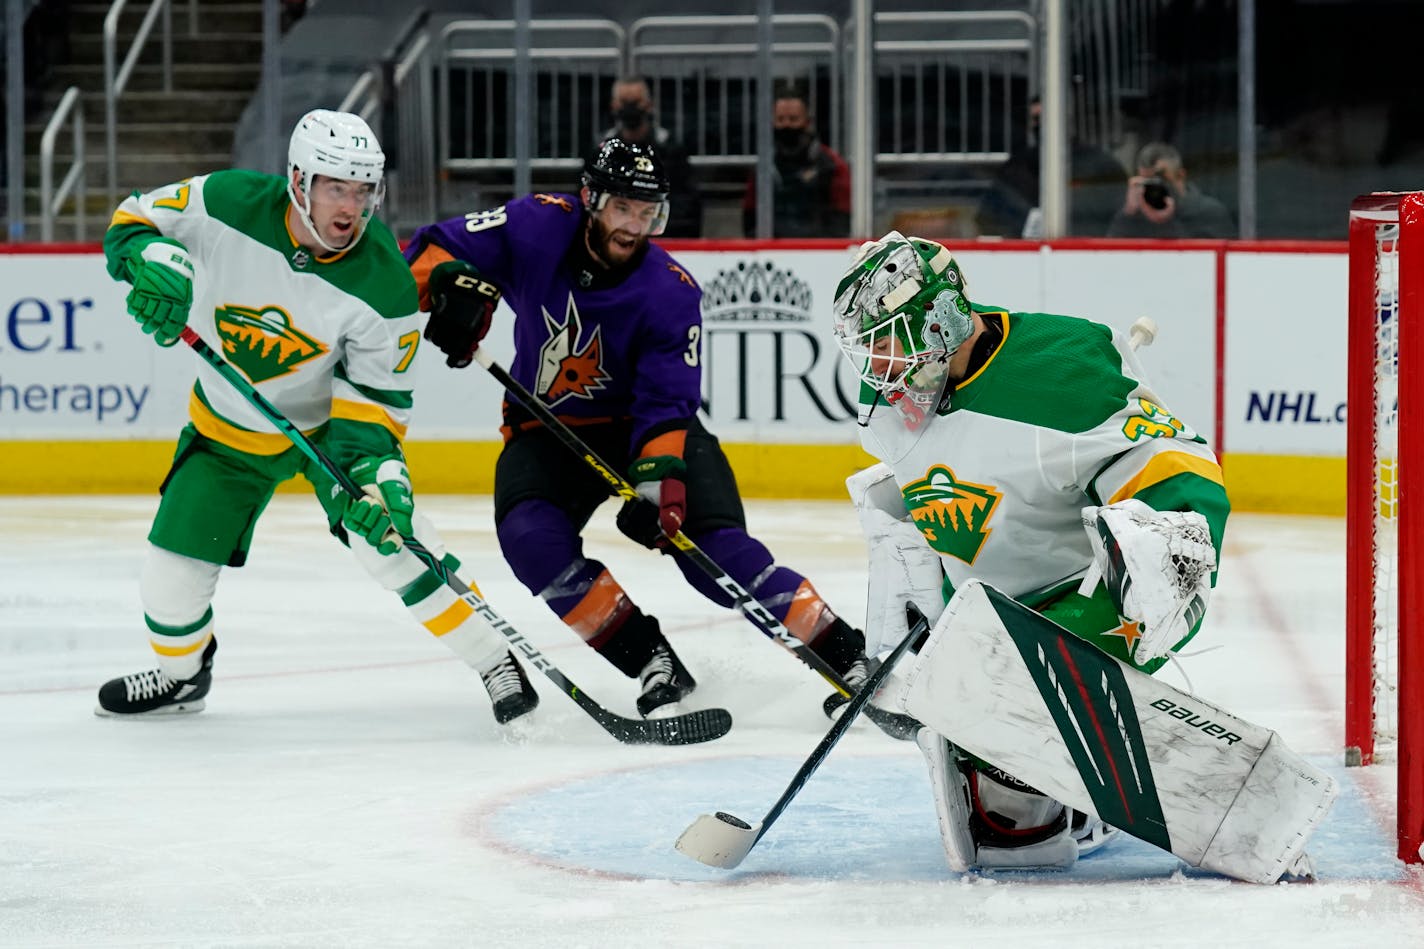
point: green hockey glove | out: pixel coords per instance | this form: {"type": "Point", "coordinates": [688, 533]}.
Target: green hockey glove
{"type": "Point", "coordinates": [162, 277]}
{"type": "Point", "coordinates": [386, 508]}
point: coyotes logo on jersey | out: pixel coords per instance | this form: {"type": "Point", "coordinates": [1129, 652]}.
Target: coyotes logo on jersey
{"type": "Point", "coordinates": [262, 342]}
{"type": "Point", "coordinates": [953, 515]}
{"type": "Point", "coordinates": [564, 368]}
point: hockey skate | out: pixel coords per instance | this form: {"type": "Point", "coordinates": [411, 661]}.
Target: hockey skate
{"type": "Point", "coordinates": [509, 689]}
{"type": "Point", "coordinates": [666, 682]}
{"type": "Point", "coordinates": [154, 693]}
{"type": "Point", "coordinates": [1090, 832]}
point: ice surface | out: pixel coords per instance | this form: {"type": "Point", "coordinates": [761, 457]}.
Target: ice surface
{"type": "Point", "coordinates": [346, 785]}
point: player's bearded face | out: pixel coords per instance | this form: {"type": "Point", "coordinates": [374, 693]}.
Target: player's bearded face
{"type": "Point", "coordinates": [621, 229]}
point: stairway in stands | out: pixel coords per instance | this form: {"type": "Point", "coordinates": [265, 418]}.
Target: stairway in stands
{"type": "Point", "coordinates": [162, 136]}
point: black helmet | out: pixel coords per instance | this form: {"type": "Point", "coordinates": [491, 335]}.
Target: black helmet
{"type": "Point", "coordinates": [628, 170]}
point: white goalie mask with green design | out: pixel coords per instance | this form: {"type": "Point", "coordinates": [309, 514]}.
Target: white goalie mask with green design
{"type": "Point", "coordinates": [900, 315]}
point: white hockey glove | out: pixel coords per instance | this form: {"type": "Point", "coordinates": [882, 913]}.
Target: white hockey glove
{"type": "Point", "coordinates": [902, 566]}
{"type": "Point", "coordinates": [1157, 567]}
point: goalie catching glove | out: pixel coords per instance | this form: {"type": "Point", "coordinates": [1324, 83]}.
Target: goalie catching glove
{"type": "Point", "coordinates": [661, 508]}
{"type": "Point", "coordinates": [161, 274]}
{"type": "Point", "coordinates": [1157, 568]}
{"type": "Point", "coordinates": [462, 306]}
{"type": "Point", "coordinates": [384, 511]}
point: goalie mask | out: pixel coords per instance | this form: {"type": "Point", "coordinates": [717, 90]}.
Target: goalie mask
{"type": "Point", "coordinates": [900, 314]}
{"type": "Point", "coordinates": [336, 145]}
{"type": "Point", "coordinates": [628, 170]}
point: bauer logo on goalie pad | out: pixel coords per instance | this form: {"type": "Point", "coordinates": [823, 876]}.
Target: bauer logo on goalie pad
{"type": "Point", "coordinates": [1196, 720]}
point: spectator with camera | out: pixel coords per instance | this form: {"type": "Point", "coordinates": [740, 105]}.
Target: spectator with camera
{"type": "Point", "coordinates": [1161, 203]}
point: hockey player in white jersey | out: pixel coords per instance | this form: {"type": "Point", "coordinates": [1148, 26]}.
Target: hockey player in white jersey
{"type": "Point", "coordinates": [1026, 463]}
{"type": "Point", "coordinates": [306, 293]}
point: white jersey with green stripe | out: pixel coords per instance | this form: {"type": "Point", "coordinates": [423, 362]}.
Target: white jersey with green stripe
{"type": "Point", "coordinates": [322, 338]}
{"type": "Point", "coordinates": [1059, 418]}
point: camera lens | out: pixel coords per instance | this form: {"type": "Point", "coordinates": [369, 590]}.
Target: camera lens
{"type": "Point", "coordinates": [1154, 193]}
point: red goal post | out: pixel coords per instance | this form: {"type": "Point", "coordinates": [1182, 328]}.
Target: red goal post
{"type": "Point", "coordinates": [1384, 573]}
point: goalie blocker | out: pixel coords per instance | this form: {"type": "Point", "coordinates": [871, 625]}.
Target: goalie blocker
{"type": "Point", "coordinates": [1010, 686]}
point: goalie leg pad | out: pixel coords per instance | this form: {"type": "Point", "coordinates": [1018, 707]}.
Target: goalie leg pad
{"type": "Point", "coordinates": [951, 797]}
{"type": "Point", "coordinates": [1010, 686]}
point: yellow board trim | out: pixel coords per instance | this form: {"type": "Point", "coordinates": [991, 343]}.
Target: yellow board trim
{"type": "Point", "coordinates": [1273, 484]}
{"type": "Point", "coordinates": [457, 613]}
{"type": "Point", "coordinates": [367, 412]}
{"type": "Point", "coordinates": [1167, 465]}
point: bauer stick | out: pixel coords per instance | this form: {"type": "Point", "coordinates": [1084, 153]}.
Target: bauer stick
{"type": "Point", "coordinates": [892, 723]}
{"type": "Point", "coordinates": [686, 729]}
{"type": "Point", "coordinates": [722, 840]}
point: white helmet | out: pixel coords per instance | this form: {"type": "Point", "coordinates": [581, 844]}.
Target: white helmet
{"type": "Point", "coordinates": [337, 145]}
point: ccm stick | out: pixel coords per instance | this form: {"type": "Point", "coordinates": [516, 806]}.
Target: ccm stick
{"type": "Point", "coordinates": [894, 724]}
{"type": "Point", "coordinates": [686, 729]}
{"type": "Point", "coordinates": [724, 840]}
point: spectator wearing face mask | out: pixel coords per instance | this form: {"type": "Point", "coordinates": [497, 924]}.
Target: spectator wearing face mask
{"type": "Point", "coordinates": [811, 181]}
{"type": "Point", "coordinates": [634, 119]}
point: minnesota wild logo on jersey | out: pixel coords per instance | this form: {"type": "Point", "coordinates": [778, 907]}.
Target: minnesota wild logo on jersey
{"type": "Point", "coordinates": [952, 514]}
{"type": "Point", "coordinates": [262, 342]}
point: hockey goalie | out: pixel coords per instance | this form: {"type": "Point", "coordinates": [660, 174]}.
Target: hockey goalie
{"type": "Point", "coordinates": [1061, 529]}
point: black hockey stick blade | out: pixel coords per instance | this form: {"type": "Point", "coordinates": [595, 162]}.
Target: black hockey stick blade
{"type": "Point", "coordinates": [689, 728]}
{"type": "Point", "coordinates": [723, 840]}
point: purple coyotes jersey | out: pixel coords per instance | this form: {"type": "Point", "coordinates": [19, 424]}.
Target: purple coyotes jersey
{"type": "Point", "coordinates": [628, 351]}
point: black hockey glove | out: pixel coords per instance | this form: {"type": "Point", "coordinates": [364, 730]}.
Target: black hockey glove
{"type": "Point", "coordinates": [462, 307]}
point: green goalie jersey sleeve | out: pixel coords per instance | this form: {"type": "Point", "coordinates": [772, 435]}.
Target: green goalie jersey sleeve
{"type": "Point", "coordinates": [1058, 419]}
{"type": "Point", "coordinates": [329, 340]}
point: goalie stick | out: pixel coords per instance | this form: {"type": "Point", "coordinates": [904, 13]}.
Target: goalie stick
{"type": "Point", "coordinates": [686, 729]}
{"type": "Point", "coordinates": [893, 724]}
{"type": "Point", "coordinates": [723, 840]}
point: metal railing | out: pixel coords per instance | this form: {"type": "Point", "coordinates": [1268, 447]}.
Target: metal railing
{"type": "Point", "coordinates": [115, 80]}
{"type": "Point", "coordinates": [707, 86]}
{"type": "Point", "coordinates": [952, 100]}
{"type": "Point", "coordinates": [476, 65]}
{"type": "Point", "coordinates": [74, 179]}
{"type": "Point", "coordinates": [396, 96]}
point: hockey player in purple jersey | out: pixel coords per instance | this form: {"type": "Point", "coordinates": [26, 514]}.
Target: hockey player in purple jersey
{"type": "Point", "coordinates": [607, 332]}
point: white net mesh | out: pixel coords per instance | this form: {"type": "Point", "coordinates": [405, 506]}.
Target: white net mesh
{"type": "Point", "coordinates": [1386, 412]}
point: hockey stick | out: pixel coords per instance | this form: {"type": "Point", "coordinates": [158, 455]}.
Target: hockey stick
{"type": "Point", "coordinates": [892, 723]}
{"type": "Point", "coordinates": [722, 840]}
{"type": "Point", "coordinates": [686, 729]}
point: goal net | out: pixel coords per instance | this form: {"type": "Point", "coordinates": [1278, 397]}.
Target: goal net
{"type": "Point", "coordinates": [1384, 691]}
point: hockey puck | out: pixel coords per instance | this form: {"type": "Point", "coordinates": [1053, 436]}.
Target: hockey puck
{"type": "Point", "coordinates": [734, 821]}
